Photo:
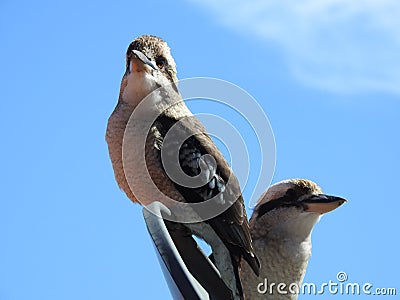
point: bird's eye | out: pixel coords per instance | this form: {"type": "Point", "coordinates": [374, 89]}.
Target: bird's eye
{"type": "Point", "coordinates": [161, 62]}
{"type": "Point", "coordinates": [291, 193]}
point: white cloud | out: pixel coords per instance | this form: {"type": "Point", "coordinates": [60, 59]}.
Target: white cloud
{"type": "Point", "coordinates": [340, 45]}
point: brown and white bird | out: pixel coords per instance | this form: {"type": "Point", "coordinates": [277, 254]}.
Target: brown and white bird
{"type": "Point", "coordinates": [281, 227]}
{"type": "Point", "coordinates": [149, 67]}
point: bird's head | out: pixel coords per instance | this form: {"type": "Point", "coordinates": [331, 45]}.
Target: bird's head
{"type": "Point", "coordinates": [291, 208]}
{"type": "Point", "coordinates": [150, 53]}
{"type": "Point", "coordinates": [149, 65]}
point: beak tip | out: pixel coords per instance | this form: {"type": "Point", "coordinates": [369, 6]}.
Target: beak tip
{"type": "Point", "coordinates": [341, 201]}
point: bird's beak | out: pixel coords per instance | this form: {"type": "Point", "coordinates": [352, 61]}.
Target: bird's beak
{"type": "Point", "coordinates": [322, 203]}
{"type": "Point", "coordinates": [143, 58]}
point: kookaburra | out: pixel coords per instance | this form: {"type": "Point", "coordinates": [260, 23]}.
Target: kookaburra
{"type": "Point", "coordinates": [150, 78]}
{"type": "Point", "coordinates": [281, 227]}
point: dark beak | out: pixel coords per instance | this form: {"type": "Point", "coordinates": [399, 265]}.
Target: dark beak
{"type": "Point", "coordinates": [322, 203]}
{"type": "Point", "coordinates": [139, 55]}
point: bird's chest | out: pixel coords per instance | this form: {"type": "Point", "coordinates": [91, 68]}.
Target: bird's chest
{"type": "Point", "coordinates": [143, 167]}
{"type": "Point", "coordinates": [133, 146]}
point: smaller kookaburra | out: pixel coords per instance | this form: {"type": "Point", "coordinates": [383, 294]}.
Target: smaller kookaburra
{"type": "Point", "coordinates": [149, 85]}
{"type": "Point", "coordinates": [281, 227]}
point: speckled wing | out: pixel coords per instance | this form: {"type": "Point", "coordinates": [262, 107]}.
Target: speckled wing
{"type": "Point", "coordinates": [194, 156]}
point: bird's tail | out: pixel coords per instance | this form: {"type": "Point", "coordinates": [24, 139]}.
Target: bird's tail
{"type": "Point", "coordinates": [254, 263]}
{"type": "Point", "coordinates": [236, 268]}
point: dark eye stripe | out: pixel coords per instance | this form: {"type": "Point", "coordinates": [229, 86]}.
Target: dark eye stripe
{"type": "Point", "coordinates": [289, 199]}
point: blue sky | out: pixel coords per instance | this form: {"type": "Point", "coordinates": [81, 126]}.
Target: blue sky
{"type": "Point", "coordinates": [327, 77]}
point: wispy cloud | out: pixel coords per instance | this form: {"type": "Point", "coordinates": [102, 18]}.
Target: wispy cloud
{"type": "Point", "coordinates": [340, 45]}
